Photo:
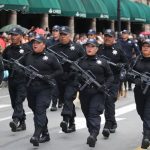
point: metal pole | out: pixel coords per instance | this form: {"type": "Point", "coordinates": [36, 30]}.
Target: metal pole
{"type": "Point", "coordinates": [118, 16]}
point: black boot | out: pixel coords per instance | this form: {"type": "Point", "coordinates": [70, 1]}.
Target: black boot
{"type": "Point", "coordinates": [113, 127]}
{"type": "Point", "coordinates": [64, 124]}
{"type": "Point", "coordinates": [91, 140]}
{"type": "Point", "coordinates": [22, 126]}
{"type": "Point", "coordinates": [14, 124]}
{"type": "Point", "coordinates": [60, 105]}
{"type": "Point", "coordinates": [146, 139]}
{"type": "Point", "coordinates": [53, 108]}
{"type": "Point", "coordinates": [35, 138]}
{"type": "Point", "coordinates": [72, 127]}
{"type": "Point", "coordinates": [106, 130]}
{"type": "Point", "coordinates": [45, 136]}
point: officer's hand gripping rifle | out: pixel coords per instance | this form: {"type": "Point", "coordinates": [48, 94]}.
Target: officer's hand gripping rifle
{"type": "Point", "coordinates": [145, 77]}
{"type": "Point", "coordinates": [10, 65]}
{"type": "Point", "coordinates": [31, 72]}
{"type": "Point", "coordinates": [121, 66]}
{"type": "Point", "coordinates": [86, 75]}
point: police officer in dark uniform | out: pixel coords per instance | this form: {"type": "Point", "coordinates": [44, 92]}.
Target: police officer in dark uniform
{"type": "Point", "coordinates": [142, 65]}
{"type": "Point", "coordinates": [55, 36]}
{"type": "Point", "coordinates": [54, 40]}
{"type": "Point", "coordinates": [31, 36]}
{"type": "Point", "coordinates": [93, 99]}
{"type": "Point", "coordinates": [130, 48]}
{"type": "Point", "coordinates": [67, 89]}
{"type": "Point", "coordinates": [39, 91]}
{"type": "Point", "coordinates": [111, 50]}
{"type": "Point", "coordinates": [16, 81]}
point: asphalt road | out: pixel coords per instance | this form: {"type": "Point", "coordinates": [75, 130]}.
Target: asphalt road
{"type": "Point", "coordinates": [127, 137]}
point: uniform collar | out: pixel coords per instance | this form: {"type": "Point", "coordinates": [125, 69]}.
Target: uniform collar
{"type": "Point", "coordinates": [66, 45]}
{"type": "Point", "coordinates": [95, 57]}
{"type": "Point", "coordinates": [41, 53]}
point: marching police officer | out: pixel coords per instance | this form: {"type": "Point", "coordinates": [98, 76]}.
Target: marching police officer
{"type": "Point", "coordinates": [129, 47]}
{"type": "Point", "coordinates": [39, 91]}
{"type": "Point", "coordinates": [16, 81]}
{"type": "Point", "coordinates": [50, 42]}
{"type": "Point", "coordinates": [55, 36]}
{"type": "Point", "coordinates": [142, 65]}
{"type": "Point", "coordinates": [111, 50]}
{"type": "Point", "coordinates": [67, 89]}
{"type": "Point", "coordinates": [93, 99]}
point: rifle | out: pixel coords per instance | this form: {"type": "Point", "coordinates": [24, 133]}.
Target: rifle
{"type": "Point", "coordinates": [29, 71]}
{"type": "Point", "coordinates": [86, 75]}
{"type": "Point", "coordinates": [10, 65]}
{"type": "Point", "coordinates": [122, 66]}
{"type": "Point", "coordinates": [145, 77]}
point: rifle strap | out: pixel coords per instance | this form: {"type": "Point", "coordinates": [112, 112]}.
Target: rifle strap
{"type": "Point", "coordinates": [135, 61]}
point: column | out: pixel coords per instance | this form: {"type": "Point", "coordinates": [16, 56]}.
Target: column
{"type": "Point", "coordinates": [71, 26]}
{"type": "Point", "coordinates": [129, 26]}
{"type": "Point", "coordinates": [12, 18]}
{"type": "Point", "coordinates": [93, 24]}
{"type": "Point", "coordinates": [113, 25]}
{"type": "Point", "coordinates": [44, 22]}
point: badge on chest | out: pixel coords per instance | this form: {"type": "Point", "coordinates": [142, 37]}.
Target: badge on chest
{"type": "Point", "coordinates": [114, 52]}
{"type": "Point", "coordinates": [21, 51]}
{"type": "Point", "coordinates": [45, 58]}
{"type": "Point", "coordinates": [99, 62]}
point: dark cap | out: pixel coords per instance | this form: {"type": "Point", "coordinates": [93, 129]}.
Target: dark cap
{"type": "Point", "coordinates": [109, 32]}
{"type": "Point", "coordinates": [125, 31]}
{"type": "Point", "coordinates": [40, 38]}
{"type": "Point", "coordinates": [147, 41]}
{"type": "Point", "coordinates": [65, 30]}
{"type": "Point", "coordinates": [31, 34]}
{"type": "Point", "coordinates": [16, 30]}
{"type": "Point", "coordinates": [91, 31]}
{"type": "Point", "coordinates": [56, 27]}
{"type": "Point", "coordinates": [92, 41]}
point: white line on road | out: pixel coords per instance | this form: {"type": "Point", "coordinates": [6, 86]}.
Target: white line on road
{"type": "Point", "coordinates": [4, 96]}
{"type": "Point", "coordinates": [5, 105]}
{"type": "Point", "coordinates": [80, 121]}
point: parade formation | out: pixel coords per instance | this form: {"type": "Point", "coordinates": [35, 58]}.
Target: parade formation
{"type": "Point", "coordinates": [51, 68]}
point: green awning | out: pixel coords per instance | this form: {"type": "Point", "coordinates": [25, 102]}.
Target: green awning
{"type": "Point", "coordinates": [72, 8]}
{"type": "Point", "coordinates": [44, 6]}
{"type": "Point", "coordinates": [112, 10]}
{"type": "Point", "coordinates": [146, 10]}
{"type": "Point", "coordinates": [137, 14]}
{"type": "Point", "coordinates": [18, 5]}
{"type": "Point", "coordinates": [95, 9]}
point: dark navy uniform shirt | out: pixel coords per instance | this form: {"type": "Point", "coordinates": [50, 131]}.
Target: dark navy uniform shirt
{"type": "Point", "coordinates": [128, 46]}
{"type": "Point", "coordinates": [73, 51]}
{"type": "Point", "coordinates": [115, 54]}
{"type": "Point", "coordinates": [15, 52]}
{"type": "Point", "coordinates": [46, 64]}
{"type": "Point", "coordinates": [99, 68]}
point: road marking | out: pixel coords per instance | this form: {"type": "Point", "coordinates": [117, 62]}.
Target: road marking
{"type": "Point", "coordinates": [4, 96]}
{"type": "Point", "coordinates": [5, 105]}
{"type": "Point", "coordinates": [81, 122]}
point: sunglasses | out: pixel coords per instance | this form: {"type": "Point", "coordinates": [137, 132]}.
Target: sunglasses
{"type": "Point", "coordinates": [55, 30]}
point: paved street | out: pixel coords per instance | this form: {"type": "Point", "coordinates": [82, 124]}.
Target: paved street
{"type": "Point", "coordinates": [127, 137]}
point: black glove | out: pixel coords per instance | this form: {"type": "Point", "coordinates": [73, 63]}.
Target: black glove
{"type": "Point", "coordinates": [137, 81]}
{"type": "Point", "coordinates": [103, 88]}
{"type": "Point", "coordinates": [120, 65]}
{"type": "Point", "coordinates": [47, 77]}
